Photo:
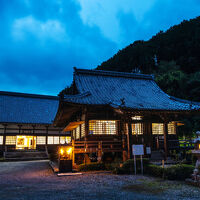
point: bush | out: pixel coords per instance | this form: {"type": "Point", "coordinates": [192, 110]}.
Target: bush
{"type": "Point", "coordinates": [174, 172]}
{"type": "Point", "coordinates": [92, 167]}
{"type": "Point", "coordinates": [128, 166]}
{"type": "Point", "coordinates": [178, 172]}
{"type": "Point", "coordinates": [155, 170]}
{"type": "Point", "coordinates": [111, 166]}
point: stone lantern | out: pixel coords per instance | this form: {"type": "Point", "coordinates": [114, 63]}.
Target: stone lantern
{"type": "Point", "coordinates": [196, 152]}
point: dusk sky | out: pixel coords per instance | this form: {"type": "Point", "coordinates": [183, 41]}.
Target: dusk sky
{"type": "Point", "coordinates": [42, 40]}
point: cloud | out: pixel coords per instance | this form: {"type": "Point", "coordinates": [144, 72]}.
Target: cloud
{"type": "Point", "coordinates": [125, 21]}
{"type": "Point", "coordinates": [50, 29]}
{"type": "Point", "coordinates": [105, 14]}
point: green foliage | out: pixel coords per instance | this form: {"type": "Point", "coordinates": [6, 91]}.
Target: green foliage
{"type": "Point", "coordinates": [128, 166]}
{"type": "Point", "coordinates": [2, 159]}
{"type": "Point", "coordinates": [171, 79]}
{"type": "Point", "coordinates": [174, 172]}
{"type": "Point", "coordinates": [92, 167]}
{"type": "Point", "coordinates": [178, 172]}
{"type": "Point", "coordinates": [155, 170]}
{"type": "Point", "coordinates": [112, 166]}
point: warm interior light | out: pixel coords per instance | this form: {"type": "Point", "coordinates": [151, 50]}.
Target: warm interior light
{"type": "Point", "coordinates": [199, 146]}
{"type": "Point", "coordinates": [61, 151]}
{"type": "Point", "coordinates": [69, 150]}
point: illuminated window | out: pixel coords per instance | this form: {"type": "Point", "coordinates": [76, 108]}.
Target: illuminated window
{"type": "Point", "coordinates": [136, 118]}
{"type": "Point", "coordinates": [41, 140]}
{"type": "Point", "coordinates": [137, 129]}
{"type": "Point", "coordinates": [50, 139]}
{"type": "Point", "coordinates": [77, 130]}
{"type": "Point", "coordinates": [1, 140]}
{"type": "Point", "coordinates": [65, 139]}
{"type": "Point", "coordinates": [53, 140]}
{"type": "Point", "coordinates": [82, 130]}
{"type": "Point", "coordinates": [172, 128]}
{"type": "Point", "coordinates": [56, 140]}
{"type": "Point", "coordinates": [102, 127]}
{"type": "Point", "coordinates": [10, 140]}
{"type": "Point", "coordinates": [157, 128]}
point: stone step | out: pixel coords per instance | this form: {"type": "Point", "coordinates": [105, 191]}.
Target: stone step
{"type": "Point", "coordinates": [26, 159]}
{"type": "Point", "coordinates": [25, 155]}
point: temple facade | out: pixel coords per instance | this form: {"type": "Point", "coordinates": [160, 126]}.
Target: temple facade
{"type": "Point", "coordinates": [26, 122]}
{"type": "Point", "coordinates": [108, 112]}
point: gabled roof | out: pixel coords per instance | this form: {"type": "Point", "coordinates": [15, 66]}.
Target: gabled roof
{"type": "Point", "coordinates": [27, 108]}
{"type": "Point", "coordinates": [127, 90]}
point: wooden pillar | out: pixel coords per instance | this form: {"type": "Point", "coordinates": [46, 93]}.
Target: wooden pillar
{"type": "Point", "coordinates": [86, 126]}
{"type": "Point", "coordinates": [124, 152]}
{"type": "Point", "coordinates": [129, 141]}
{"type": "Point", "coordinates": [99, 156]}
{"type": "Point", "coordinates": [46, 143]}
{"type": "Point", "coordinates": [73, 153]}
{"type": "Point", "coordinates": [166, 139]}
{"type": "Point", "coordinates": [20, 128]}
{"type": "Point", "coordinates": [123, 135]}
{"type": "Point", "coordinates": [34, 141]}
{"type": "Point", "coordinates": [4, 138]}
{"type": "Point", "coordinates": [145, 135]}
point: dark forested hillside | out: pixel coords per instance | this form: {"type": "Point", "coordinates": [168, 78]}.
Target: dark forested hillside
{"type": "Point", "coordinates": [173, 56]}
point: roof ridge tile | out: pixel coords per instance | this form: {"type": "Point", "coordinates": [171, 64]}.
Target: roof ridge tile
{"type": "Point", "coordinates": [113, 73]}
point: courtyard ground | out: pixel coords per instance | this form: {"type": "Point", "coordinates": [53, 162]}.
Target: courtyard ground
{"type": "Point", "coordinates": [33, 180]}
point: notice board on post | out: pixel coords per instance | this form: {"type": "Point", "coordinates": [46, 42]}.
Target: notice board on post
{"type": "Point", "coordinates": [138, 149]}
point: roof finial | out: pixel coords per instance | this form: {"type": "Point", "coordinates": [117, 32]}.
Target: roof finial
{"type": "Point", "coordinates": [122, 101]}
{"type": "Point", "coordinates": [74, 68]}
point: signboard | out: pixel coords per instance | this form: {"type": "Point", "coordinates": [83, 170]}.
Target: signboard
{"type": "Point", "coordinates": [138, 149]}
{"type": "Point", "coordinates": [148, 150]}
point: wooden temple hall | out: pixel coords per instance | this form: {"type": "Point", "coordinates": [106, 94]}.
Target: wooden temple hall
{"type": "Point", "coordinates": [26, 122]}
{"type": "Point", "coordinates": [107, 112]}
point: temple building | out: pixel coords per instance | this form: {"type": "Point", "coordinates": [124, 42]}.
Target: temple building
{"type": "Point", "coordinates": [107, 112]}
{"type": "Point", "coordinates": [26, 122]}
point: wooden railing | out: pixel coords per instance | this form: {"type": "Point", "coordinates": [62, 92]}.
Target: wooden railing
{"type": "Point", "coordinates": [94, 146]}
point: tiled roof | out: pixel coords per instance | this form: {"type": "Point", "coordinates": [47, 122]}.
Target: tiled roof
{"type": "Point", "coordinates": [27, 108]}
{"type": "Point", "coordinates": [128, 90]}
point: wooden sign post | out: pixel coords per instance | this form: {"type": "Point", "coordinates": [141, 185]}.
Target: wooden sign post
{"type": "Point", "coordinates": [138, 150]}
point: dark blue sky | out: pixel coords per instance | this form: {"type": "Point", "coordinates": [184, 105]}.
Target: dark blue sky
{"type": "Point", "coordinates": [41, 40]}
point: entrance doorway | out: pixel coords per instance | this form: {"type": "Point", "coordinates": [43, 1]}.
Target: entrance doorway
{"type": "Point", "coordinates": [25, 142]}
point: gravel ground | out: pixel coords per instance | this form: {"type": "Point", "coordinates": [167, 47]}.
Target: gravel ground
{"type": "Point", "coordinates": [35, 180]}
